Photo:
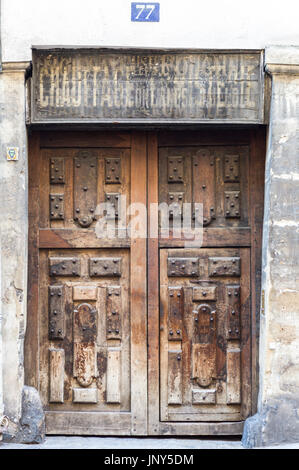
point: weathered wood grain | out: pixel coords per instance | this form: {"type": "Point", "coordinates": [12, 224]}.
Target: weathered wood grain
{"type": "Point", "coordinates": [113, 375]}
{"type": "Point", "coordinates": [57, 361]}
{"type": "Point", "coordinates": [138, 280]}
{"type": "Point", "coordinates": [127, 385]}
{"type": "Point", "coordinates": [153, 288]}
{"type": "Point", "coordinates": [233, 367]}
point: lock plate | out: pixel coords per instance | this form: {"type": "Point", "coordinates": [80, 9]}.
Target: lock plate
{"type": "Point", "coordinates": [175, 313]}
{"type": "Point", "coordinates": [85, 323]}
{"type": "Point", "coordinates": [56, 312]}
{"type": "Point", "coordinates": [85, 188]}
{"type": "Point", "coordinates": [231, 168]}
{"type": "Point", "coordinates": [57, 171]}
{"type": "Point", "coordinates": [226, 266]}
{"type": "Point", "coordinates": [105, 267]}
{"type": "Point", "coordinates": [175, 169]}
{"type": "Point", "coordinates": [175, 202]}
{"type": "Point", "coordinates": [113, 205]}
{"type": "Point", "coordinates": [112, 170]}
{"type": "Point", "coordinates": [203, 397]}
{"type": "Point", "coordinates": [232, 204]}
{"type": "Point", "coordinates": [113, 313]}
{"type": "Point", "coordinates": [56, 207]}
{"type": "Point", "coordinates": [183, 267]}
{"type": "Point", "coordinates": [203, 168]}
{"type": "Point", "coordinates": [204, 324]}
{"type": "Point", "coordinates": [233, 311]}
{"type": "Point", "coordinates": [204, 293]}
{"type": "Point", "coordinates": [84, 350]}
{"type": "Point", "coordinates": [65, 266]}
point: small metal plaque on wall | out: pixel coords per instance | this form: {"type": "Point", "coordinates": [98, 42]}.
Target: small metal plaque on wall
{"type": "Point", "coordinates": [146, 86]}
{"type": "Point", "coordinates": [12, 154]}
{"type": "Point", "coordinates": [145, 12]}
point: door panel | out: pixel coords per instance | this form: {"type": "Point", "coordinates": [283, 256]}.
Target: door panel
{"type": "Point", "coordinates": [216, 176]}
{"type": "Point", "coordinates": [204, 334]}
{"type": "Point", "coordinates": [204, 312]}
{"type": "Point", "coordinates": [106, 358]}
{"type": "Point", "coordinates": [89, 324]}
{"type": "Point", "coordinates": [204, 324]}
{"type": "Point", "coordinates": [90, 307]}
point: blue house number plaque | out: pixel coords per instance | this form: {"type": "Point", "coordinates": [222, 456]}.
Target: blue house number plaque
{"type": "Point", "coordinates": [145, 12]}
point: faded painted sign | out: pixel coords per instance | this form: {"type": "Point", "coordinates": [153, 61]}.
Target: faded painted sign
{"type": "Point", "coordinates": [108, 86]}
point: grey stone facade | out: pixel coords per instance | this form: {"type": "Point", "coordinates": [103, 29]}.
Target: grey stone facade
{"type": "Point", "coordinates": [14, 228]}
{"type": "Point", "coordinates": [277, 420]}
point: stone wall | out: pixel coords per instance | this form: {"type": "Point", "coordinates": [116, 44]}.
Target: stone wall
{"type": "Point", "coordinates": [13, 226]}
{"type": "Point", "coordinates": [277, 420]}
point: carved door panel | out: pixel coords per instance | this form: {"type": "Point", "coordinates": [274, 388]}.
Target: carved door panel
{"type": "Point", "coordinates": [204, 322]}
{"type": "Point", "coordinates": [90, 357]}
{"type": "Point", "coordinates": [206, 296]}
{"type": "Point", "coordinates": [128, 336]}
{"type": "Point", "coordinates": [204, 303]}
{"type": "Point", "coordinates": [215, 176]}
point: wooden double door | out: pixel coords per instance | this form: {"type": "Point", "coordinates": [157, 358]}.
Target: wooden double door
{"type": "Point", "coordinates": [137, 334]}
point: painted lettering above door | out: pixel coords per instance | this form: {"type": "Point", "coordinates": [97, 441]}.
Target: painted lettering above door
{"type": "Point", "coordinates": [141, 86]}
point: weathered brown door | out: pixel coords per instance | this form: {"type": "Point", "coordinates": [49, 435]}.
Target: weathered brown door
{"type": "Point", "coordinates": [86, 339]}
{"type": "Point", "coordinates": [135, 336]}
{"type": "Point", "coordinates": [204, 337]}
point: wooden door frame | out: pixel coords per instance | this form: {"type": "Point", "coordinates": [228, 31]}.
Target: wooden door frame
{"type": "Point", "coordinates": [256, 139]}
{"type": "Point", "coordinates": [149, 333]}
{"type": "Point", "coordinates": [138, 301]}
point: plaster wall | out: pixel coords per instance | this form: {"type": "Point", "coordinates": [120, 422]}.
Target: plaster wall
{"type": "Point", "coordinates": [218, 24]}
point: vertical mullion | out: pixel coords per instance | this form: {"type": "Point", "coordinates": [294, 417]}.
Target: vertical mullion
{"type": "Point", "coordinates": [153, 287]}
{"type": "Point", "coordinates": [138, 292]}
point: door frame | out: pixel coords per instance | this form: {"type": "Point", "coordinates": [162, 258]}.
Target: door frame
{"type": "Point", "coordinates": [255, 138]}
{"type": "Point", "coordinates": [146, 143]}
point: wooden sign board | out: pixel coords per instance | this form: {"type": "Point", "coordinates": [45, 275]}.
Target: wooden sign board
{"type": "Point", "coordinates": [90, 85]}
